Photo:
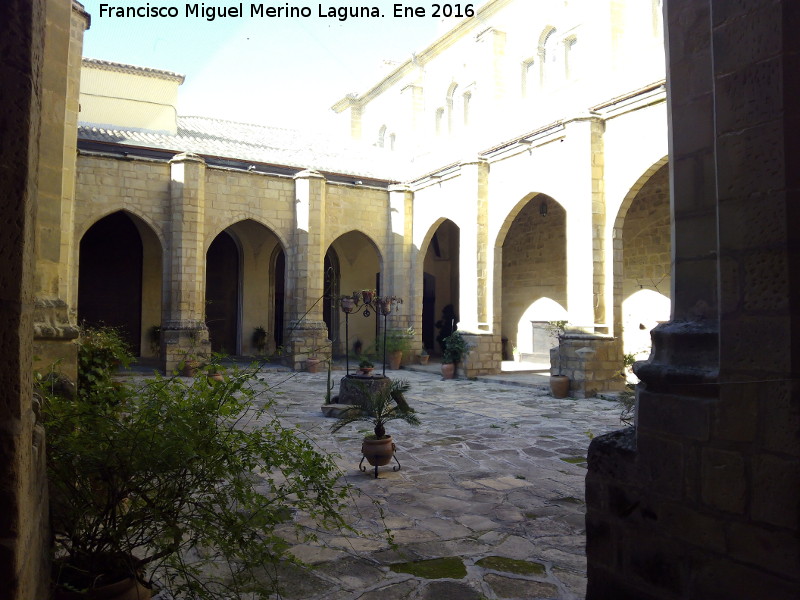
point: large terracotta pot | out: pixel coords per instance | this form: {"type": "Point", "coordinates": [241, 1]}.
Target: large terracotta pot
{"type": "Point", "coordinates": [312, 365]}
{"type": "Point", "coordinates": [127, 589]}
{"type": "Point", "coordinates": [559, 386]}
{"type": "Point", "coordinates": [448, 370]}
{"type": "Point", "coordinates": [378, 452]}
{"type": "Point", "coordinates": [394, 359]}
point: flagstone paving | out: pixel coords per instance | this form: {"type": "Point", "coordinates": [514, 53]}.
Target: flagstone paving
{"type": "Point", "coordinates": [493, 479]}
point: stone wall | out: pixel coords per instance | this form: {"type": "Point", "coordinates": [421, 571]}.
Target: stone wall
{"type": "Point", "coordinates": [484, 356]}
{"type": "Point", "coordinates": [646, 237]}
{"type": "Point", "coordinates": [701, 499]}
{"type": "Point", "coordinates": [23, 500]}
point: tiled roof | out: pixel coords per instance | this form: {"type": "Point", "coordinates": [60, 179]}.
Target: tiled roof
{"type": "Point", "coordinates": [257, 143]}
{"type": "Point", "coordinates": [123, 68]}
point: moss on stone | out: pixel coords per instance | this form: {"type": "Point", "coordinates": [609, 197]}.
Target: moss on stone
{"type": "Point", "coordinates": [437, 568]}
{"type": "Point", "coordinates": [574, 459]}
{"type": "Point", "coordinates": [511, 565]}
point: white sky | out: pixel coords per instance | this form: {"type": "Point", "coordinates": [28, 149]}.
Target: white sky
{"type": "Point", "coordinates": [278, 71]}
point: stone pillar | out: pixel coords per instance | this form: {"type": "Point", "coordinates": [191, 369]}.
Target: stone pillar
{"type": "Point", "coordinates": [307, 334]}
{"type": "Point", "coordinates": [184, 335]}
{"type": "Point", "coordinates": [485, 355]}
{"type": "Point", "coordinates": [582, 227]}
{"type": "Point", "coordinates": [54, 318]}
{"type": "Point", "coordinates": [24, 538]}
{"type": "Point", "coordinates": [700, 500]}
{"type": "Point", "coordinates": [473, 252]}
{"type": "Point", "coordinates": [397, 280]}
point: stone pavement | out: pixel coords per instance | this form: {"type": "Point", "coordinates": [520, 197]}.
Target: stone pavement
{"type": "Point", "coordinates": [489, 502]}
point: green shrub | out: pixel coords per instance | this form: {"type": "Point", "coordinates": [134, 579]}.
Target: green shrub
{"type": "Point", "coordinates": [455, 348]}
{"type": "Point", "coordinates": [181, 484]}
{"type": "Point", "coordinates": [101, 351]}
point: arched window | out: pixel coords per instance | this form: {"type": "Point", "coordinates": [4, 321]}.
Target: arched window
{"type": "Point", "coordinates": [658, 14]}
{"type": "Point", "coordinates": [571, 58]}
{"type": "Point", "coordinates": [451, 108]}
{"type": "Point", "coordinates": [548, 57]}
{"type": "Point", "coordinates": [439, 120]}
{"type": "Point", "coordinates": [529, 77]}
{"type": "Point", "coordinates": [381, 136]}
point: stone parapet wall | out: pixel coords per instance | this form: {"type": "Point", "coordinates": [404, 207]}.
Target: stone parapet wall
{"type": "Point", "coordinates": [306, 339]}
{"type": "Point", "coordinates": [593, 363]}
{"type": "Point", "coordinates": [182, 343]}
{"type": "Point", "coordinates": [484, 356]}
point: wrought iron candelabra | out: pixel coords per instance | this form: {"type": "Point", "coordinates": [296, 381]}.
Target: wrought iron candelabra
{"type": "Point", "coordinates": [365, 302]}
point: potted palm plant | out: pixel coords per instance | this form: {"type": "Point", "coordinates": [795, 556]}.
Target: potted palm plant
{"type": "Point", "coordinates": [378, 406]}
{"type": "Point", "coordinates": [142, 477]}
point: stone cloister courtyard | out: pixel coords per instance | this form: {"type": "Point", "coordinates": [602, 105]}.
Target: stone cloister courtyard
{"type": "Point", "coordinates": [489, 502]}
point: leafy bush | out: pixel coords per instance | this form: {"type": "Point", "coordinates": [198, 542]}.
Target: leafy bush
{"type": "Point", "coordinates": [455, 348]}
{"type": "Point", "coordinates": [101, 351]}
{"type": "Point", "coordinates": [181, 484]}
{"type": "Point", "coordinates": [396, 341]}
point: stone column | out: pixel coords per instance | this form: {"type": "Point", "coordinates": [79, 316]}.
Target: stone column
{"type": "Point", "coordinates": [399, 280]}
{"type": "Point", "coordinates": [24, 569]}
{"type": "Point", "coordinates": [485, 353]}
{"type": "Point", "coordinates": [582, 227]}
{"type": "Point", "coordinates": [700, 500]}
{"type": "Point", "coordinates": [54, 318]}
{"type": "Point", "coordinates": [184, 335]}
{"type": "Point", "coordinates": [307, 334]}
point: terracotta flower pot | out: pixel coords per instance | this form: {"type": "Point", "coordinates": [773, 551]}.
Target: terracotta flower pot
{"type": "Point", "coordinates": [448, 370]}
{"type": "Point", "coordinates": [378, 452]}
{"type": "Point", "coordinates": [312, 365]}
{"type": "Point", "coordinates": [190, 368]}
{"type": "Point", "coordinates": [423, 359]}
{"type": "Point", "coordinates": [365, 370]}
{"type": "Point", "coordinates": [394, 359]}
{"type": "Point", "coordinates": [559, 386]}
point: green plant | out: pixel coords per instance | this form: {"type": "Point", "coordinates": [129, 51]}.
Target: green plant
{"type": "Point", "coordinates": [557, 329]}
{"type": "Point", "coordinates": [424, 352]}
{"type": "Point", "coordinates": [455, 348]}
{"type": "Point", "coordinates": [101, 351]}
{"type": "Point", "coordinates": [181, 485]}
{"type": "Point", "coordinates": [154, 336]}
{"type": "Point", "coordinates": [329, 384]}
{"type": "Point", "coordinates": [259, 338]}
{"type": "Point", "coordinates": [378, 406]}
{"type": "Point", "coordinates": [396, 341]}
{"type": "Point", "coordinates": [365, 363]}
{"type": "Point", "coordinates": [627, 404]}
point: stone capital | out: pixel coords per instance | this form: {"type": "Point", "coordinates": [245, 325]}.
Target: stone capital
{"type": "Point", "coordinates": [187, 157]}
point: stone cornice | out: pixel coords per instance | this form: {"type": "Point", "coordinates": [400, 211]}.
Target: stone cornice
{"type": "Point", "coordinates": [107, 65]}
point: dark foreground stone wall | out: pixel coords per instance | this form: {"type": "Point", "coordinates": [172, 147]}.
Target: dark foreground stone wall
{"type": "Point", "coordinates": [702, 499]}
